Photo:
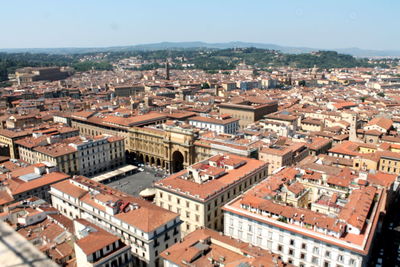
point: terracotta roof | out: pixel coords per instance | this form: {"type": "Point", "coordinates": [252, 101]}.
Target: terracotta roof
{"type": "Point", "coordinates": [96, 239]}
{"type": "Point", "coordinates": [200, 246]}
{"type": "Point", "coordinates": [381, 122]}
{"type": "Point", "coordinates": [205, 190]}
{"type": "Point", "coordinates": [357, 208]}
{"type": "Point", "coordinates": [146, 217]}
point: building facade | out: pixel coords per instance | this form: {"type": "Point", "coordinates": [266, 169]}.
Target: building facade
{"type": "Point", "coordinates": [95, 247]}
{"type": "Point", "coordinates": [148, 229]}
{"type": "Point", "coordinates": [219, 124]}
{"type": "Point", "coordinates": [333, 232]}
{"type": "Point", "coordinates": [79, 154]}
{"type": "Point", "coordinates": [199, 192]}
{"type": "Point", "coordinates": [247, 112]}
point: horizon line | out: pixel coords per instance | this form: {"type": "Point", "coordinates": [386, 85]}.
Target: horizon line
{"type": "Point", "coordinates": [204, 42]}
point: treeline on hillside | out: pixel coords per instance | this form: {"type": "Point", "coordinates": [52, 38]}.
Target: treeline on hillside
{"type": "Point", "coordinates": [217, 59]}
{"type": "Point", "coordinates": [207, 59]}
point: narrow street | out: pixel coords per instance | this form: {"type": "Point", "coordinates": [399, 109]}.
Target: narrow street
{"type": "Point", "coordinates": [387, 246]}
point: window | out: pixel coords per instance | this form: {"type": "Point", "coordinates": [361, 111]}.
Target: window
{"type": "Point", "coordinates": [340, 258]}
{"type": "Point", "coordinates": [249, 237]}
{"type": "Point", "coordinates": [302, 256]}
{"type": "Point", "coordinates": [327, 254]}
{"type": "Point", "coordinates": [230, 231]}
{"type": "Point", "coordinates": [303, 246]}
{"type": "Point", "coordinates": [314, 260]}
{"type": "Point", "coordinates": [280, 238]}
{"type": "Point", "coordinates": [292, 242]}
{"type": "Point", "coordinates": [269, 235]}
{"type": "Point", "coordinates": [352, 262]}
{"type": "Point", "coordinates": [279, 248]}
{"type": "Point", "coordinates": [316, 250]}
{"type": "Point", "coordinates": [291, 252]}
{"type": "Point", "coordinates": [327, 264]}
{"type": "Point", "coordinates": [259, 231]}
{"type": "Point", "coordinates": [187, 204]}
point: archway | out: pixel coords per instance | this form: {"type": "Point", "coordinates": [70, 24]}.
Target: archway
{"type": "Point", "coordinates": [141, 158]}
{"type": "Point", "coordinates": [177, 161]}
{"type": "Point", "coordinates": [146, 159]}
{"type": "Point", "coordinates": [158, 162]}
{"type": "Point", "coordinates": [152, 161]}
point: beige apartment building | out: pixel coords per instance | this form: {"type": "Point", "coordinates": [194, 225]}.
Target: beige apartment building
{"type": "Point", "coordinates": [94, 123]}
{"type": "Point", "coordinates": [77, 155]}
{"type": "Point", "coordinates": [389, 162]}
{"type": "Point", "coordinates": [127, 90]}
{"type": "Point", "coordinates": [199, 192]}
{"type": "Point", "coordinates": [312, 125]}
{"type": "Point", "coordinates": [247, 111]}
{"type": "Point", "coordinates": [279, 156]}
{"type": "Point", "coordinates": [9, 137]}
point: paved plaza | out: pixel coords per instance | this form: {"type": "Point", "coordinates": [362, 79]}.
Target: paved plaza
{"type": "Point", "coordinates": [137, 182]}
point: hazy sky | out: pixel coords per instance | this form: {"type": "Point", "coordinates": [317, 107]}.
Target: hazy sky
{"type": "Point", "coordinates": [373, 24]}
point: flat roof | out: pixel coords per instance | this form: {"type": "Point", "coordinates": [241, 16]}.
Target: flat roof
{"type": "Point", "coordinates": [114, 173]}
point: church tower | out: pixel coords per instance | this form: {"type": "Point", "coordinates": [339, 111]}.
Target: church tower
{"type": "Point", "coordinates": [167, 70]}
{"type": "Point", "coordinates": [353, 129]}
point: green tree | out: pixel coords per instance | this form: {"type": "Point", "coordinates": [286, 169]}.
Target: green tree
{"type": "Point", "coordinates": [205, 86]}
{"type": "Point", "coordinates": [381, 94]}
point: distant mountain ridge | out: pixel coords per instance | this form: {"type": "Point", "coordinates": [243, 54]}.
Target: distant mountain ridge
{"type": "Point", "coordinates": [358, 52]}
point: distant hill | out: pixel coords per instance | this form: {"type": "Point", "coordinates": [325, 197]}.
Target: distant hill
{"type": "Point", "coordinates": [202, 45]}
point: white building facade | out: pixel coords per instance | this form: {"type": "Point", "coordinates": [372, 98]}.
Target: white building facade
{"type": "Point", "coordinates": [219, 125]}
{"type": "Point", "coordinates": [304, 248]}
{"type": "Point", "coordinates": [102, 206]}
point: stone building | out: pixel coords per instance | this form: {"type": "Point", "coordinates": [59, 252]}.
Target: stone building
{"type": "Point", "coordinates": [247, 111]}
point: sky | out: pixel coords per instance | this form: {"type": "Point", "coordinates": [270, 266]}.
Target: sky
{"type": "Point", "coordinates": [367, 24]}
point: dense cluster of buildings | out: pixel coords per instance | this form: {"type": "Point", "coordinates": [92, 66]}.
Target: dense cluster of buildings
{"type": "Point", "coordinates": [254, 175]}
